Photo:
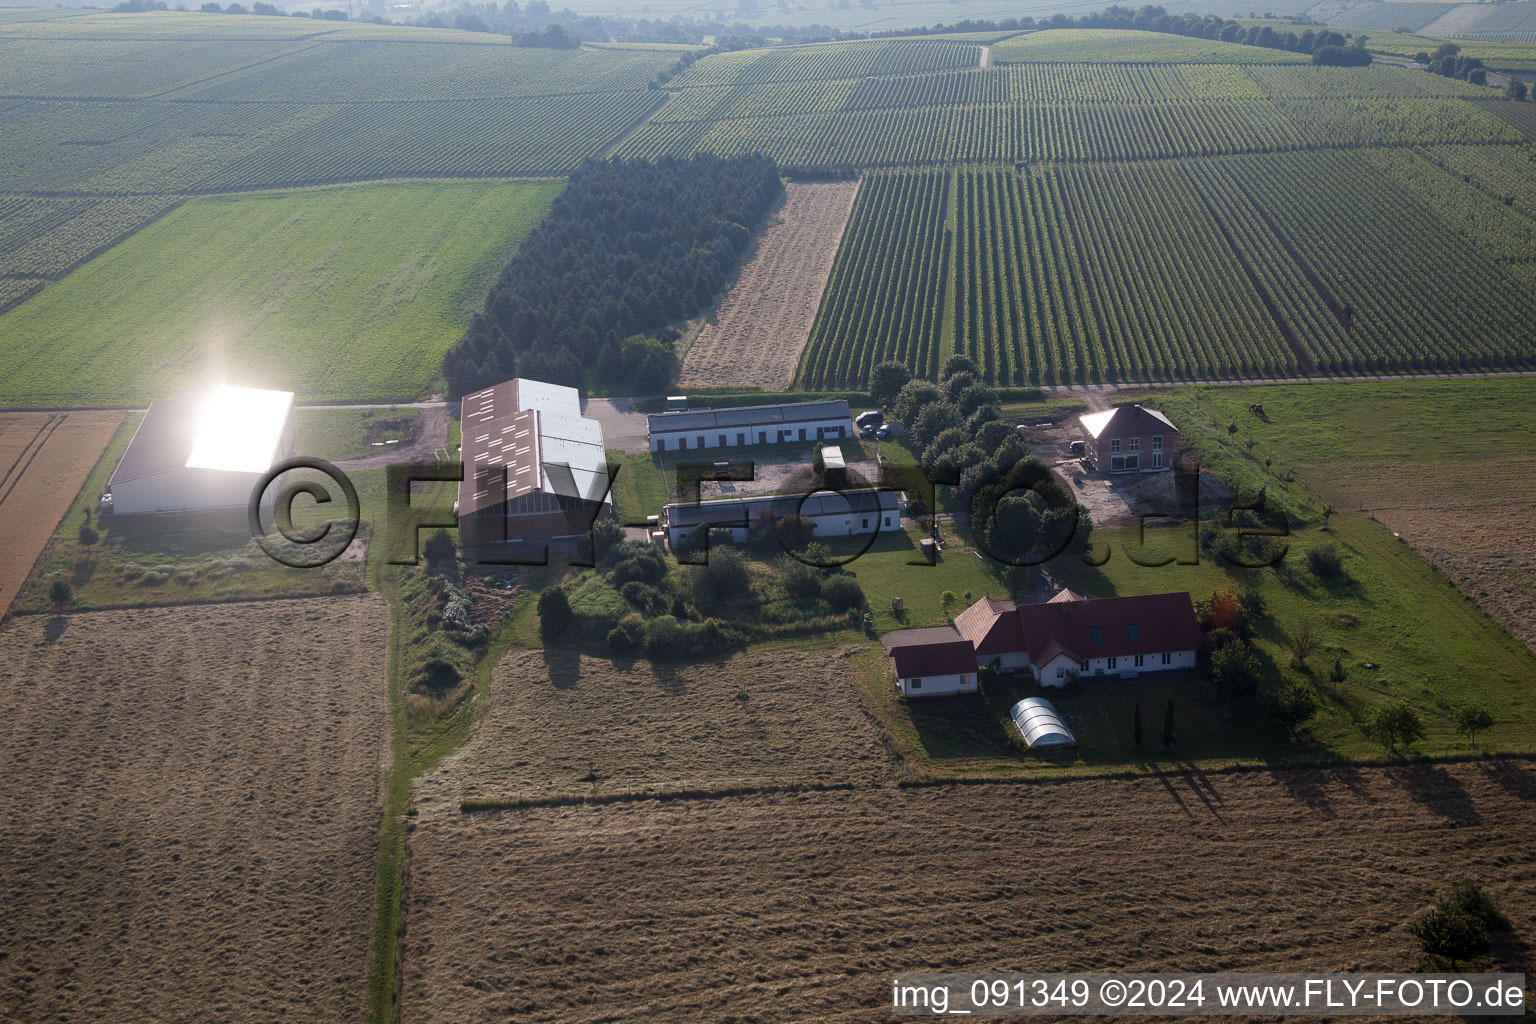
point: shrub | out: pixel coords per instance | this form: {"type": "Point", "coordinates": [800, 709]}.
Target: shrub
{"type": "Point", "coordinates": [60, 593]}
{"type": "Point", "coordinates": [628, 635]}
{"type": "Point", "coordinates": [1234, 670]}
{"type": "Point", "coordinates": [437, 676]}
{"type": "Point", "coordinates": [1294, 705]}
{"type": "Point", "coordinates": [1457, 928]}
{"type": "Point", "coordinates": [555, 615]}
{"type": "Point", "coordinates": [154, 578]}
{"type": "Point", "coordinates": [88, 534]}
{"type": "Point", "coordinates": [1326, 562]}
{"type": "Point", "coordinates": [843, 593]}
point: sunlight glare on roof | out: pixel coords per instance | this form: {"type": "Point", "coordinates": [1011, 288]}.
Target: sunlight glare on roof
{"type": "Point", "coordinates": [240, 429]}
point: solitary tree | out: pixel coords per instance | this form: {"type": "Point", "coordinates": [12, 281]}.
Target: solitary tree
{"type": "Point", "coordinates": [1303, 642]}
{"type": "Point", "coordinates": [1397, 725]}
{"type": "Point", "coordinates": [1168, 726]}
{"type": "Point", "coordinates": [1136, 726]}
{"type": "Point", "coordinates": [1294, 705]}
{"type": "Point", "coordinates": [1234, 669]}
{"type": "Point", "coordinates": [61, 594]}
{"type": "Point", "coordinates": [1472, 719]}
{"type": "Point", "coordinates": [1337, 674]}
{"type": "Point", "coordinates": [947, 599]}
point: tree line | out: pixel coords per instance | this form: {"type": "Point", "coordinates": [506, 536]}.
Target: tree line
{"type": "Point", "coordinates": [628, 249]}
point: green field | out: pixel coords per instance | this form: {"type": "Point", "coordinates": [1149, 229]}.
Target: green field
{"type": "Point", "coordinates": [1114, 46]}
{"type": "Point", "coordinates": [336, 294]}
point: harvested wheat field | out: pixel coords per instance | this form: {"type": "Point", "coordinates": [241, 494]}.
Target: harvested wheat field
{"type": "Point", "coordinates": [754, 339]}
{"type": "Point", "coordinates": [801, 906]}
{"type": "Point", "coordinates": [44, 460]}
{"type": "Point", "coordinates": [563, 723]}
{"type": "Point", "coordinates": [189, 812]}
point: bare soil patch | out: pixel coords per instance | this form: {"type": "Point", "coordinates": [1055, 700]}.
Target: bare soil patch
{"type": "Point", "coordinates": [802, 906]}
{"type": "Point", "coordinates": [44, 460]}
{"type": "Point", "coordinates": [189, 811]}
{"type": "Point", "coordinates": [755, 337]}
{"type": "Point", "coordinates": [560, 723]}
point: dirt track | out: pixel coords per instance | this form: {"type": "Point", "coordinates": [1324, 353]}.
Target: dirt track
{"type": "Point", "coordinates": [800, 907]}
{"type": "Point", "coordinates": [562, 723]}
{"type": "Point", "coordinates": [44, 458]}
{"type": "Point", "coordinates": [189, 812]}
{"type": "Point", "coordinates": [756, 336]}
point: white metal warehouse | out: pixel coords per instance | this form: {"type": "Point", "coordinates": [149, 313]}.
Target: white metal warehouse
{"type": "Point", "coordinates": [202, 452]}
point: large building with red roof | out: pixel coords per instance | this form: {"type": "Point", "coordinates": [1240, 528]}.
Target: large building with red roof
{"type": "Point", "coordinates": [1121, 636]}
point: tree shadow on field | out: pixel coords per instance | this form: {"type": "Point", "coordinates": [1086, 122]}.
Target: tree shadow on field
{"type": "Point", "coordinates": [564, 666]}
{"type": "Point", "coordinates": [1438, 790]}
{"type": "Point", "coordinates": [1311, 785]}
{"type": "Point", "coordinates": [1517, 778]}
{"type": "Point", "coordinates": [55, 627]}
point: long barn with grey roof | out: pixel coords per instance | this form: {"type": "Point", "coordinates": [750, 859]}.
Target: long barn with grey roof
{"type": "Point", "coordinates": [744, 426]}
{"type": "Point", "coordinates": [834, 513]}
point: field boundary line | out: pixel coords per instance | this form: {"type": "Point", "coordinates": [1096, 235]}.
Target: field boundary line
{"type": "Point", "coordinates": [639, 123]}
{"type": "Point", "coordinates": [29, 451]}
{"type": "Point", "coordinates": [264, 599]}
{"type": "Point", "coordinates": [485, 805]}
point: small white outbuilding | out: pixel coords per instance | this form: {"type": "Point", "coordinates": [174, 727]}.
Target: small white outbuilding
{"type": "Point", "coordinates": [203, 452]}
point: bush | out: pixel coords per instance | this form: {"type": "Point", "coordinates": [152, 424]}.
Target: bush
{"type": "Point", "coordinates": [88, 534]}
{"type": "Point", "coordinates": [154, 578]}
{"type": "Point", "coordinates": [1294, 705]}
{"type": "Point", "coordinates": [722, 578]}
{"type": "Point", "coordinates": [437, 676]}
{"type": "Point", "coordinates": [1326, 562]}
{"type": "Point", "coordinates": [1234, 670]}
{"type": "Point", "coordinates": [627, 636]}
{"type": "Point", "coordinates": [843, 593]}
{"type": "Point", "coordinates": [61, 593]}
{"type": "Point", "coordinates": [555, 615]}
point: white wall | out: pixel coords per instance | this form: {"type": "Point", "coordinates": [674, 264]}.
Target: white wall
{"type": "Point", "coordinates": [938, 686]}
{"type": "Point", "coordinates": [1125, 665]}
{"type": "Point", "coordinates": [185, 490]}
{"type": "Point", "coordinates": [711, 436]}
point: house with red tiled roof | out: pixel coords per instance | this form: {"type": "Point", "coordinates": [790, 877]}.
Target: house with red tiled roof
{"type": "Point", "coordinates": [1120, 636]}
{"type": "Point", "coordinates": [931, 662]}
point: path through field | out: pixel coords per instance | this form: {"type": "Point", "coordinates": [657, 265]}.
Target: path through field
{"type": "Point", "coordinates": [802, 906]}
{"type": "Point", "coordinates": [756, 336]}
{"type": "Point", "coordinates": [44, 459]}
{"type": "Point", "coordinates": [189, 807]}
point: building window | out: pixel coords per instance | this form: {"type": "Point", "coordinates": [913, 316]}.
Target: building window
{"type": "Point", "coordinates": [965, 680]}
{"type": "Point", "coordinates": [701, 442]}
{"type": "Point", "coordinates": [1134, 632]}
{"type": "Point", "coordinates": [1061, 671]}
{"type": "Point", "coordinates": [722, 440]}
{"type": "Point", "coordinates": [865, 522]}
{"type": "Point", "coordinates": [915, 684]}
{"type": "Point", "coordinates": [1111, 662]}
{"type": "Point", "coordinates": [661, 444]}
{"type": "Point", "coordinates": [1135, 444]}
{"type": "Point", "coordinates": [1157, 460]}
{"type": "Point", "coordinates": [1114, 444]}
{"type": "Point", "coordinates": [1085, 666]}
{"type": "Point", "coordinates": [1139, 660]}
{"type": "Point", "coordinates": [842, 431]}
{"type": "Point", "coordinates": [887, 520]}
{"type": "Point", "coordinates": [802, 433]}
{"type": "Point", "coordinates": [762, 437]}
{"type": "Point", "coordinates": [1157, 442]}
{"type": "Point", "coordinates": [1167, 658]}
{"type": "Point", "coordinates": [741, 438]}
{"type": "Point", "coordinates": [682, 444]}
{"type": "Point", "coordinates": [1097, 634]}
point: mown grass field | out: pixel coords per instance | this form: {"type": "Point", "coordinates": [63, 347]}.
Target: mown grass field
{"type": "Point", "coordinates": [1114, 46]}
{"type": "Point", "coordinates": [336, 294]}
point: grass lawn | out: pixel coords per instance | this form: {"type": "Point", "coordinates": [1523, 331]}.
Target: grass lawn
{"type": "Point", "coordinates": [893, 567]}
{"type": "Point", "coordinates": [639, 487]}
{"type": "Point", "coordinates": [342, 433]}
{"type": "Point", "coordinates": [338, 294]}
{"type": "Point", "coordinates": [1355, 443]}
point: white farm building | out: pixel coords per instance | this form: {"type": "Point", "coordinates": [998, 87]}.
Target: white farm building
{"type": "Point", "coordinates": [750, 425]}
{"type": "Point", "coordinates": [834, 513]}
{"type": "Point", "coordinates": [202, 452]}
